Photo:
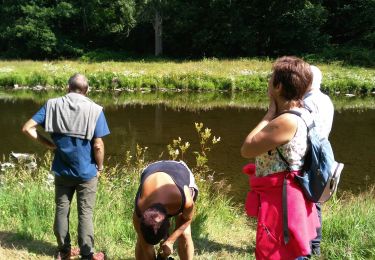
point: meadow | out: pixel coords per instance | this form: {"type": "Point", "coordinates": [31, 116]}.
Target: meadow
{"type": "Point", "coordinates": [237, 75]}
{"type": "Point", "coordinates": [220, 228]}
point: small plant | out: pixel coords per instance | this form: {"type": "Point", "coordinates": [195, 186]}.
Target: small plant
{"type": "Point", "coordinates": [177, 148]}
{"type": "Point", "coordinates": [140, 156]}
{"type": "Point", "coordinates": [201, 156]}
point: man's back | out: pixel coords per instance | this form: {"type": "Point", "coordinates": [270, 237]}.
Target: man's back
{"type": "Point", "coordinates": [322, 111]}
{"type": "Point", "coordinates": [320, 104]}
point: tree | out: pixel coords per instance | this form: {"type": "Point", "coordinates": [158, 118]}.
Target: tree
{"type": "Point", "coordinates": [351, 22]}
{"type": "Point", "coordinates": [152, 11]}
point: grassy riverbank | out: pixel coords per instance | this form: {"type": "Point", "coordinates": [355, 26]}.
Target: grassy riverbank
{"type": "Point", "coordinates": [220, 228]}
{"type": "Point", "coordinates": [204, 75]}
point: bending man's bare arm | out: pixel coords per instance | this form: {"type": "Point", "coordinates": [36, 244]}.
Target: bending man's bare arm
{"type": "Point", "coordinates": [186, 218]}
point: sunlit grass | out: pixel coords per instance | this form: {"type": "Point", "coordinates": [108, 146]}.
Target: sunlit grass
{"type": "Point", "coordinates": [203, 75]}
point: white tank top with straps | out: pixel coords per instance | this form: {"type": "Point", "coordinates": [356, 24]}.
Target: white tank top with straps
{"type": "Point", "coordinates": [294, 152]}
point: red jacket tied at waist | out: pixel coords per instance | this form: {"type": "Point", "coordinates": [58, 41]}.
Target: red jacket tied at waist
{"type": "Point", "coordinates": [264, 202]}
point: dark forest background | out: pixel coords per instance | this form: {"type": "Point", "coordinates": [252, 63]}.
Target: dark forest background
{"type": "Point", "coordinates": [188, 29]}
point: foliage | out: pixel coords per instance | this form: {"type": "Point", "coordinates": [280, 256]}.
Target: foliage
{"type": "Point", "coordinates": [351, 22]}
{"type": "Point", "coordinates": [241, 75]}
{"type": "Point", "coordinates": [205, 28]}
{"type": "Point", "coordinates": [40, 29]}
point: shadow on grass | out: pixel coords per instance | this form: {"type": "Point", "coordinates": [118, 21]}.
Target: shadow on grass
{"type": "Point", "coordinates": [205, 245]}
{"type": "Point", "coordinates": [21, 241]}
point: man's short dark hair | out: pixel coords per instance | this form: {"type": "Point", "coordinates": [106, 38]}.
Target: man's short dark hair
{"type": "Point", "coordinates": [155, 224]}
{"type": "Point", "coordinates": [78, 83]}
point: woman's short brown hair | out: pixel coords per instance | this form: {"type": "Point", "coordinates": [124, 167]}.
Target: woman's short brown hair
{"type": "Point", "coordinates": [294, 75]}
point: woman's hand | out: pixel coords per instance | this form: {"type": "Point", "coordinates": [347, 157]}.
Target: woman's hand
{"type": "Point", "coordinates": [272, 110]}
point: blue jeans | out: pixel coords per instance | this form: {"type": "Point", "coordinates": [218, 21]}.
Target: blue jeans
{"type": "Point", "coordinates": [315, 243]}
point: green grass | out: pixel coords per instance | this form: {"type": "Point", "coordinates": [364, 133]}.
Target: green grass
{"type": "Point", "coordinates": [220, 228]}
{"type": "Point", "coordinates": [27, 208]}
{"type": "Point", "coordinates": [204, 75]}
{"type": "Point", "coordinates": [349, 227]}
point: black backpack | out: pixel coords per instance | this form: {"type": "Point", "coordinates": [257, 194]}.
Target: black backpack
{"type": "Point", "coordinates": [320, 173]}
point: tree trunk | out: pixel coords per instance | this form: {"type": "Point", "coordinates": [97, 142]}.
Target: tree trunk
{"type": "Point", "coordinates": [158, 29]}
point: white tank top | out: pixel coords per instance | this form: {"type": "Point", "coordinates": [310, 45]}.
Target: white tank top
{"type": "Point", "coordinates": [294, 152]}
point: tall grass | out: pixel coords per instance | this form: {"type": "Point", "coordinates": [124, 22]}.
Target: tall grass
{"type": "Point", "coordinates": [27, 208]}
{"type": "Point", "coordinates": [204, 75]}
{"type": "Point", "coordinates": [349, 227]}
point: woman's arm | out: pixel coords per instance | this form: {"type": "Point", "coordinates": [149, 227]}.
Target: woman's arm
{"type": "Point", "coordinates": [269, 134]}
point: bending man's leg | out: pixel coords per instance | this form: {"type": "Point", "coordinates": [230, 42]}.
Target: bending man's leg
{"type": "Point", "coordinates": [185, 243]}
{"type": "Point", "coordinates": [63, 197]}
{"type": "Point", "coordinates": [86, 195]}
{"type": "Point", "coordinates": [144, 251]}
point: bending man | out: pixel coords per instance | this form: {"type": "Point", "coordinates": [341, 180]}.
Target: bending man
{"type": "Point", "coordinates": [167, 189]}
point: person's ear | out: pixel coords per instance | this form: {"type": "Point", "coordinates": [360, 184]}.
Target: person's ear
{"type": "Point", "coordinates": [278, 88]}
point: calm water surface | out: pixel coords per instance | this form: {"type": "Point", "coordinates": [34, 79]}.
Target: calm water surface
{"type": "Point", "coordinates": [352, 137]}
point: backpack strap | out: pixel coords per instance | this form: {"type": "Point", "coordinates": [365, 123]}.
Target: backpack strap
{"type": "Point", "coordinates": [284, 160]}
{"type": "Point", "coordinates": [309, 126]}
{"type": "Point", "coordinates": [285, 201]}
{"type": "Point", "coordinates": [285, 212]}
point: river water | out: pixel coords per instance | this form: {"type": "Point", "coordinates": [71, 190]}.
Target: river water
{"type": "Point", "coordinates": [155, 126]}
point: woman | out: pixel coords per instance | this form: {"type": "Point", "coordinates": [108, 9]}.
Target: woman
{"type": "Point", "coordinates": [286, 221]}
{"type": "Point", "coordinates": [167, 189]}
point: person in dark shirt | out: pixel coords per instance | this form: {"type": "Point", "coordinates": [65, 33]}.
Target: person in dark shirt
{"type": "Point", "coordinates": [167, 190]}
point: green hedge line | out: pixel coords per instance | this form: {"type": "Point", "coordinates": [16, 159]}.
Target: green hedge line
{"type": "Point", "coordinates": [110, 81]}
{"type": "Point", "coordinates": [206, 75]}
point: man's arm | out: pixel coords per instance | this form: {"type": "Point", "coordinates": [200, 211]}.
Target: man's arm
{"type": "Point", "coordinates": [30, 130]}
{"type": "Point", "coordinates": [185, 220]}
{"type": "Point", "coordinates": [99, 152]}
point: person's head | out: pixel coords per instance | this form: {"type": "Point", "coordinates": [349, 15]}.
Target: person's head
{"type": "Point", "coordinates": [317, 77]}
{"type": "Point", "coordinates": [292, 77]}
{"type": "Point", "coordinates": [154, 224]}
{"type": "Point", "coordinates": [78, 84]}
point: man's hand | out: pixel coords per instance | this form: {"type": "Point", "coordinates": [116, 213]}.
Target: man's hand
{"type": "Point", "coordinates": [166, 249]}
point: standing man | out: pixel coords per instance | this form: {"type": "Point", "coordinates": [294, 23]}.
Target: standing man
{"type": "Point", "coordinates": [322, 111]}
{"type": "Point", "coordinates": [76, 125]}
